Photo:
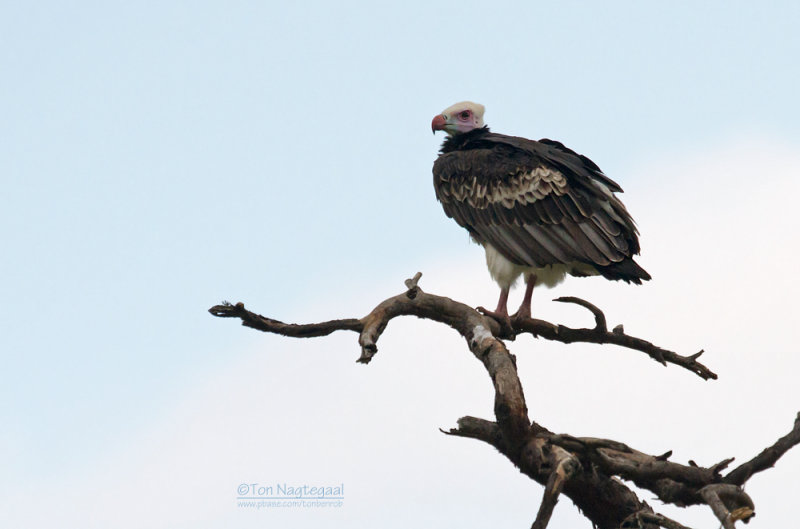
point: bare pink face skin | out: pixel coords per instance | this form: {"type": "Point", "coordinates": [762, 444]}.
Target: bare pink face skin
{"type": "Point", "coordinates": [459, 118]}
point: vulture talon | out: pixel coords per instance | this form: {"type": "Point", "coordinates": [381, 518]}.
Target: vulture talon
{"type": "Point", "coordinates": [501, 317]}
{"type": "Point", "coordinates": [520, 316]}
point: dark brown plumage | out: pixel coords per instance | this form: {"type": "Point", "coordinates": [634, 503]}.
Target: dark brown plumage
{"type": "Point", "coordinates": [537, 202]}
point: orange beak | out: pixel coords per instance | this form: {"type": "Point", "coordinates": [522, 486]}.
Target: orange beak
{"type": "Point", "coordinates": [438, 123]}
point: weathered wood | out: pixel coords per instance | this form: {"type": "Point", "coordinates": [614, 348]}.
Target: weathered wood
{"type": "Point", "coordinates": [584, 469]}
{"type": "Point", "coordinates": [459, 316]}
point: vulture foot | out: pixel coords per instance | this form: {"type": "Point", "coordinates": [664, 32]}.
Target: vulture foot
{"type": "Point", "coordinates": [501, 317]}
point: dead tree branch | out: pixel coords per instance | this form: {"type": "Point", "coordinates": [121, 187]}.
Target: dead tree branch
{"type": "Point", "coordinates": [767, 458]}
{"type": "Point", "coordinates": [415, 302]}
{"type": "Point", "coordinates": [643, 518]}
{"type": "Point", "coordinates": [567, 467]}
{"type": "Point", "coordinates": [600, 335]}
{"type": "Point", "coordinates": [584, 469]}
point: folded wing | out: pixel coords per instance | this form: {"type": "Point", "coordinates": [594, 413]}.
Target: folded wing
{"type": "Point", "coordinates": [538, 204]}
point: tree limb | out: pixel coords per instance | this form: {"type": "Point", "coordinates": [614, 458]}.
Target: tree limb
{"type": "Point", "coordinates": [671, 482]}
{"type": "Point", "coordinates": [583, 468]}
{"type": "Point", "coordinates": [261, 323]}
{"type": "Point", "coordinates": [480, 429]}
{"type": "Point", "coordinates": [599, 317]}
{"type": "Point", "coordinates": [658, 519]}
{"type": "Point", "coordinates": [415, 302]}
{"type": "Point", "coordinates": [600, 335]}
{"type": "Point", "coordinates": [728, 502]}
{"type": "Point", "coordinates": [567, 467]}
{"type": "Point", "coordinates": [767, 458]}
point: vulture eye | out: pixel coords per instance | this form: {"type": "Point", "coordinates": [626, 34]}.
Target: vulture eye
{"type": "Point", "coordinates": [464, 114]}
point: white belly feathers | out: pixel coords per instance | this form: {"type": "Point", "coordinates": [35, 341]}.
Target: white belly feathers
{"type": "Point", "coordinates": [505, 273]}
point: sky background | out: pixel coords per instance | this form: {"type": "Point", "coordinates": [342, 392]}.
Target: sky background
{"type": "Point", "coordinates": [160, 157]}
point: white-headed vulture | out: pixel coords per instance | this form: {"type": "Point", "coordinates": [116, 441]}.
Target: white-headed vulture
{"type": "Point", "coordinates": [537, 207]}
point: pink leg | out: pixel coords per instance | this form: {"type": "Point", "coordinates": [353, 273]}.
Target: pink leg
{"type": "Point", "coordinates": [501, 313]}
{"type": "Point", "coordinates": [502, 303]}
{"type": "Point", "coordinates": [524, 311]}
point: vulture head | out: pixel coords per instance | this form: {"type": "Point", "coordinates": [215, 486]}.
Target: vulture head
{"type": "Point", "coordinates": [459, 118]}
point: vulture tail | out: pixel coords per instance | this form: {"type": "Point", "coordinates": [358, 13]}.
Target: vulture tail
{"type": "Point", "coordinates": [627, 271]}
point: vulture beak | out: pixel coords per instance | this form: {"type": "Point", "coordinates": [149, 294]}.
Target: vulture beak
{"type": "Point", "coordinates": [438, 123]}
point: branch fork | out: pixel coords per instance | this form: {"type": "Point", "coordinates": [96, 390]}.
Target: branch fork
{"type": "Point", "coordinates": [590, 471]}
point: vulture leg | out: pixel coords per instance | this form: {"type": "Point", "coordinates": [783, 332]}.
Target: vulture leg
{"type": "Point", "coordinates": [502, 303]}
{"type": "Point", "coordinates": [501, 312]}
{"type": "Point", "coordinates": [524, 312]}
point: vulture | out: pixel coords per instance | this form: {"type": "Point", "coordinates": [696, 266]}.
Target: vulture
{"type": "Point", "coordinates": [538, 208]}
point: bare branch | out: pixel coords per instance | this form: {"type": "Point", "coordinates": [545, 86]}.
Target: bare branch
{"type": "Point", "coordinates": [666, 455]}
{"type": "Point", "coordinates": [309, 330]}
{"type": "Point", "coordinates": [722, 465]}
{"type": "Point", "coordinates": [460, 317]}
{"type": "Point", "coordinates": [718, 507]}
{"type": "Point", "coordinates": [671, 482]}
{"type": "Point", "coordinates": [605, 501]}
{"type": "Point", "coordinates": [411, 285]}
{"type": "Point", "coordinates": [658, 519]}
{"type": "Point", "coordinates": [600, 335]}
{"type": "Point", "coordinates": [566, 468]}
{"type": "Point", "coordinates": [767, 458]}
{"type": "Point", "coordinates": [480, 429]}
{"type": "Point", "coordinates": [729, 503]}
{"type": "Point", "coordinates": [599, 317]}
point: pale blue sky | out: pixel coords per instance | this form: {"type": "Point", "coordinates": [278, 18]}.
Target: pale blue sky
{"type": "Point", "coordinates": [159, 157]}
